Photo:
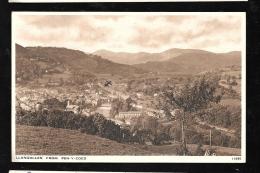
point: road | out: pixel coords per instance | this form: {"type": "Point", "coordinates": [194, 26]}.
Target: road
{"type": "Point", "coordinates": [227, 131]}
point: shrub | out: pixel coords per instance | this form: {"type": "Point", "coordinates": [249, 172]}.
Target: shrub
{"type": "Point", "coordinates": [31, 119]}
{"type": "Point", "coordinates": [56, 119]}
{"type": "Point", "coordinates": [220, 139]}
{"type": "Point", "coordinates": [235, 142]}
{"type": "Point", "coordinates": [73, 121]}
{"type": "Point", "coordinates": [181, 150]}
{"type": "Point", "coordinates": [196, 139]}
{"type": "Point", "coordinates": [216, 115]}
{"type": "Point", "coordinates": [86, 125]}
{"type": "Point", "coordinates": [199, 151]}
{"type": "Point", "coordinates": [146, 123]}
{"type": "Point", "coordinates": [175, 133]}
{"type": "Point", "coordinates": [161, 138]}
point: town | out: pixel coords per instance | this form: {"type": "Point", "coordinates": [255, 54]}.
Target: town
{"type": "Point", "coordinates": [126, 102]}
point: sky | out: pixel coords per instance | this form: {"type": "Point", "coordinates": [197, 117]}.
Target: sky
{"type": "Point", "coordinates": [136, 32]}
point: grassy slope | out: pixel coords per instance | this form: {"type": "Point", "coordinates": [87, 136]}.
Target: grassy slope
{"type": "Point", "coordinates": [50, 141]}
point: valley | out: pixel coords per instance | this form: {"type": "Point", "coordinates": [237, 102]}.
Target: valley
{"type": "Point", "coordinates": [131, 95]}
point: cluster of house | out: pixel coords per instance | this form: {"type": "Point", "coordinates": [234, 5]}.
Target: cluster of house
{"type": "Point", "coordinates": [100, 100]}
{"type": "Point", "coordinates": [28, 98]}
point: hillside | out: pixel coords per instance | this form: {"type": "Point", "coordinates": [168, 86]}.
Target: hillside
{"type": "Point", "coordinates": [194, 62]}
{"type": "Point", "coordinates": [143, 57]}
{"type": "Point", "coordinates": [37, 60]}
{"type": "Point", "coordinates": [50, 141]}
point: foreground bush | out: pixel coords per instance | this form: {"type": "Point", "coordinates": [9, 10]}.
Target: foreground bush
{"type": "Point", "coordinates": [94, 124]}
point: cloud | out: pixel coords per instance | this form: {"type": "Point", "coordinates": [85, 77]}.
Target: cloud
{"type": "Point", "coordinates": [132, 33]}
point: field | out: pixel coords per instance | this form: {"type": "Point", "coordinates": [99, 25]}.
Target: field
{"type": "Point", "coordinates": [51, 141]}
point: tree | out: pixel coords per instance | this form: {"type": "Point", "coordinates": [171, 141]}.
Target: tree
{"type": "Point", "coordinates": [116, 106]}
{"type": "Point", "coordinates": [145, 123]}
{"type": "Point", "coordinates": [128, 104]}
{"type": "Point", "coordinates": [193, 96]}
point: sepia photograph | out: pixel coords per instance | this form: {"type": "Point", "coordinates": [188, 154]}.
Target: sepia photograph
{"type": "Point", "coordinates": [128, 87]}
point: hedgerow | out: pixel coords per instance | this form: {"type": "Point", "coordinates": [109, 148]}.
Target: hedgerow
{"type": "Point", "coordinates": [95, 124]}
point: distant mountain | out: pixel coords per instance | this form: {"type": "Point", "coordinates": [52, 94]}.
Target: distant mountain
{"type": "Point", "coordinates": [36, 60]}
{"type": "Point", "coordinates": [194, 62]}
{"type": "Point", "coordinates": [143, 57]}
